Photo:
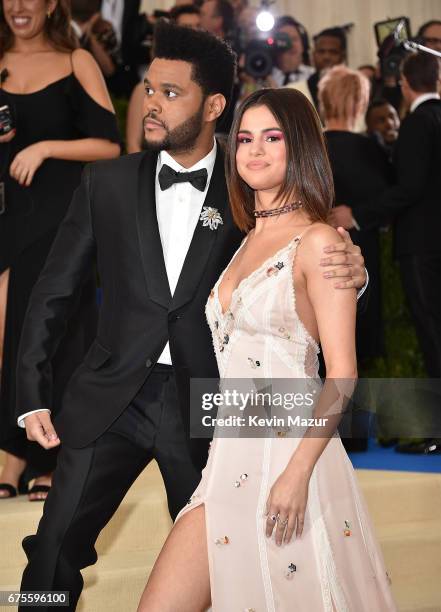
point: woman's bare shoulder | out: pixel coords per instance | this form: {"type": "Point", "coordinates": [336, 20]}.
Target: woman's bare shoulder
{"type": "Point", "coordinates": [320, 234]}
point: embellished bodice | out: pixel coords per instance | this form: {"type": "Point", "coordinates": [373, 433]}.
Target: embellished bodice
{"type": "Point", "coordinates": [261, 335]}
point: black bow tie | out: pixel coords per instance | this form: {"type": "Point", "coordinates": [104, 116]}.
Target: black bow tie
{"type": "Point", "coordinates": [167, 177]}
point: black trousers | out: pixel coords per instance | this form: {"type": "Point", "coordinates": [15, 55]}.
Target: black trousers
{"type": "Point", "coordinates": [421, 279]}
{"type": "Point", "coordinates": [89, 484]}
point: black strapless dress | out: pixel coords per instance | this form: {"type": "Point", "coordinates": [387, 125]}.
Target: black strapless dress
{"type": "Point", "coordinates": [61, 111]}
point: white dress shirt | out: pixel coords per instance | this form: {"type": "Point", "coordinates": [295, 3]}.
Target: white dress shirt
{"type": "Point", "coordinates": [422, 98]}
{"type": "Point", "coordinates": [178, 209]}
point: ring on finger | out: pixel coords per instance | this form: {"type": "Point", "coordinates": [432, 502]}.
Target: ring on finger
{"type": "Point", "coordinates": [273, 518]}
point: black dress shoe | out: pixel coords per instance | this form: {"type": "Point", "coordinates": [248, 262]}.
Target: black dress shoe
{"type": "Point", "coordinates": [420, 447]}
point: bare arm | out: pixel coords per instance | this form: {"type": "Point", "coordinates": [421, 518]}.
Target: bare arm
{"type": "Point", "coordinates": [134, 130]}
{"type": "Point", "coordinates": [335, 313]}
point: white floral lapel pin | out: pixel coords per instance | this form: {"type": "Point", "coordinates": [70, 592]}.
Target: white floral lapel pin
{"type": "Point", "coordinates": [211, 217]}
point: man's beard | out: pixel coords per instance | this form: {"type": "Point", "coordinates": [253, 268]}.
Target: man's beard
{"type": "Point", "coordinates": [182, 138]}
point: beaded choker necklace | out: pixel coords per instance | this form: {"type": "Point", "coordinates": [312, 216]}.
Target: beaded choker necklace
{"type": "Point", "coordinates": [272, 212]}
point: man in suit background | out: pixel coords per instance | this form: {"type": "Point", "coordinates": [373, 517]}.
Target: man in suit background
{"type": "Point", "coordinates": [114, 31]}
{"type": "Point", "coordinates": [414, 204]}
{"type": "Point", "coordinates": [131, 28]}
{"type": "Point", "coordinates": [329, 50]}
{"type": "Point", "coordinates": [143, 218]}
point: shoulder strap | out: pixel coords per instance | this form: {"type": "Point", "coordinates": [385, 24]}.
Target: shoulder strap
{"type": "Point", "coordinates": [300, 236]}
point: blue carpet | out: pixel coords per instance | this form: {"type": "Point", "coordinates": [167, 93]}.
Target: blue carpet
{"type": "Point", "coordinates": [378, 458]}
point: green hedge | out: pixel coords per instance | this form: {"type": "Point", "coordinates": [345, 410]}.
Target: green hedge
{"type": "Point", "coordinates": [403, 358]}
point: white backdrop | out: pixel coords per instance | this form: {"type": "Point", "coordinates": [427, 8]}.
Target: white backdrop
{"type": "Point", "coordinates": [316, 15]}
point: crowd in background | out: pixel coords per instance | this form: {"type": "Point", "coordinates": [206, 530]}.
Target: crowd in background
{"type": "Point", "coordinates": [58, 82]}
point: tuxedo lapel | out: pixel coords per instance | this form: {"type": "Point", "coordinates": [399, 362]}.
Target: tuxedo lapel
{"type": "Point", "coordinates": [148, 233]}
{"type": "Point", "coordinates": [203, 239]}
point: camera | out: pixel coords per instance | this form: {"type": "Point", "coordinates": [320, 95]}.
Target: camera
{"type": "Point", "coordinates": [261, 54]}
{"type": "Point", "coordinates": [6, 123]}
{"type": "Point", "coordinates": [390, 36]}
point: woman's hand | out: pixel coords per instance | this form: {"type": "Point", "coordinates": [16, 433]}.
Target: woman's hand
{"type": "Point", "coordinates": [286, 504]}
{"type": "Point", "coordinates": [27, 162]}
{"type": "Point", "coordinates": [7, 137]}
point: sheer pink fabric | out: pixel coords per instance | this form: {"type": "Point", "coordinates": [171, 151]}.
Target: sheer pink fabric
{"type": "Point", "coordinates": [260, 335]}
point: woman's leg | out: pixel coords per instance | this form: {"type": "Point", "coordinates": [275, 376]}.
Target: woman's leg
{"type": "Point", "coordinates": [4, 281]}
{"type": "Point", "coordinates": [180, 579]}
{"type": "Point", "coordinates": [13, 468]}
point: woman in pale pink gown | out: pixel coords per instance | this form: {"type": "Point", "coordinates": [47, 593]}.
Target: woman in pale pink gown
{"type": "Point", "coordinates": [277, 523]}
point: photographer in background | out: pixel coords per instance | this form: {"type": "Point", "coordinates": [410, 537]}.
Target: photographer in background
{"type": "Point", "coordinates": [279, 64]}
{"type": "Point", "coordinates": [430, 34]}
{"type": "Point", "coordinates": [292, 65]}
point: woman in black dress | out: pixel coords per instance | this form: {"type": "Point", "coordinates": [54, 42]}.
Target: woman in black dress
{"type": "Point", "coordinates": [63, 117]}
{"type": "Point", "coordinates": [361, 170]}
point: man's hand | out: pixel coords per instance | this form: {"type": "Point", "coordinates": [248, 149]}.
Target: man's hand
{"type": "Point", "coordinates": [346, 261]}
{"type": "Point", "coordinates": [39, 429]}
{"type": "Point", "coordinates": [341, 215]}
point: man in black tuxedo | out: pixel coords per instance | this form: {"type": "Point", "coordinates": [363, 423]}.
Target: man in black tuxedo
{"type": "Point", "coordinates": [415, 205]}
{"type": "Point", "coordinates": [128, 402]}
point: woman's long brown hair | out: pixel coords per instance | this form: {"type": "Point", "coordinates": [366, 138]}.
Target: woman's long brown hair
{"type": "Point", "coordinates": [308, 173]}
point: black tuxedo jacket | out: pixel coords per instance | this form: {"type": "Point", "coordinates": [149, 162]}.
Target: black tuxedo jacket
{"type": "Point", "coordinates": [415, 201]}
{"type": "Point", "coordinates": [113, 218]}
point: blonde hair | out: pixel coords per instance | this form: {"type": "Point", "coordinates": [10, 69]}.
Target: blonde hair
{"type": "Point", "coordinates": [343, 94]}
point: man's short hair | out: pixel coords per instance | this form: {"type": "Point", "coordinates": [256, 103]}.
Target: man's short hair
{"type": "Point", "coordinates": [377, 103]}
{"type": "Point", "coordinates": [422, 72]}
{"type": "Point", "coordinates": [213, 61]}
{"type": "Point", "coordinates": [183, 9]}
{"type": "Point", "coordinates": [338, 33]}
{"type": "Point", "coordinates": [428, 24]}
